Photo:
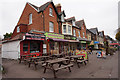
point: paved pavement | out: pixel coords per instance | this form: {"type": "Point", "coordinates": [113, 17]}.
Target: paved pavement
{"type": "Point", "coordinates": [96, 68]}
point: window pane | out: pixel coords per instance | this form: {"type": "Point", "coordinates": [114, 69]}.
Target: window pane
{"type": "Point", "coordinates": [83, 35]}
{"type": "Point", "coordinates": [69, 29]}
{"type": "Point", "coordinates": [79, 33]}
{"type": "Point", "coordinates": [50, 12]}
{"type": "Point", "coordinates": [74, 32]}
{"type": "Point", "coordinates": [34, 47]}
{"type": "Point", "coordinates": [25, 47]}
{"type": "Point", "coordinates": [18, 29]}
{"type": "Point", "coordinates": [64, 28]}
{"type": "Point", "coordinates": [30, 19]}
{"type": "Point", "coordinates": [51, 28]}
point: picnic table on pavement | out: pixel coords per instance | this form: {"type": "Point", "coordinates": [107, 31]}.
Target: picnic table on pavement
{"type": "Point", "coordinates": [50, 63]}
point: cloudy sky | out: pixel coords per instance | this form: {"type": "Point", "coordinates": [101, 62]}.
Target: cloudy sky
{"type": "Point", "coordinates": [102, 14]}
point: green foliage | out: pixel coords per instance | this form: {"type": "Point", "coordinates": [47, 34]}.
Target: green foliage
{"type": "Point", "coordinates": [118, 36]}
{"type": "Point", "coordinates": [7, 35]}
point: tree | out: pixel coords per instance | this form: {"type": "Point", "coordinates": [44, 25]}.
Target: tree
{"type": "Point", "coordinates": [7, 35]}
{"type": "Point", "coordinates": [118, 36]}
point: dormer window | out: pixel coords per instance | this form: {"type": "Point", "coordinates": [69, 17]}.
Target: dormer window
{"type": "Point", "coordinates": [73, 23]}
{"type": "Point", "coordinates": [18, 29]}
{"type": "Point", "coordinates": [30, 18]}
{"type": "Point", "coordinates": [62, 18]}
{"type": "Point", "coordinates": [50, 12]}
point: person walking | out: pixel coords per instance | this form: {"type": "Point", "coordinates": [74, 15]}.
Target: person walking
{"type": "Point", "coordinates": [90, 48]}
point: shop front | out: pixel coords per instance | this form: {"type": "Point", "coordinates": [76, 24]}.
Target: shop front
{"type": "Point", "coordinates": [55, 43]}
{"type": "Point", "coordinates": [32, 44]}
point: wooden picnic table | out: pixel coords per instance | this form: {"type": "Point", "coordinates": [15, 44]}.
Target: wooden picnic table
{"type": "Point", "coordinates": [25, 57]}
{"type": "Point", "coordinates": [37, 60]}
{"type": "Point", "coordinates": [50, 63]}
{"type": "Point", "coordinates": [57, 55]}
{"type": "Point", "coordinates": [77, 59]}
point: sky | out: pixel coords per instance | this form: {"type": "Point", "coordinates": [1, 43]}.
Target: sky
{"type": "Point", "coordinates": [102, 14]}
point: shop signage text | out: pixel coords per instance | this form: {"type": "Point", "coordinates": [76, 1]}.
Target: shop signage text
{"type": "Point", "coordinates": [55, 36]}
{"type": "Point", "coordinates": [29, 36]}
{"type": "Point", "coordinates": [70, 37]}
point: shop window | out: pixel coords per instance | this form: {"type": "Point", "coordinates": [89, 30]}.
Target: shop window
{"type": "Point", "coordinates": [34, 47]}
{"type": "Point", "coordinates": [78, 46]}
{"type": "Point", "coordinates": [51, 45]}
{"type": "Point", "coordinates": [25, 47]}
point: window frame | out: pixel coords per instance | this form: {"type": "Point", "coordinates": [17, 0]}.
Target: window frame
{"type": "Point", "coordinates": [79, 34]}
{"type": "Point", "coordinates": [64, 31]}
{"type": "Point", "coordinates": [18, 29]}
{"type": "Point", "coordinates": [51, 27]}
{"type": "Point", "coordinates": [83, 34]}
{"type": "Point", "coordinates": [50, 11]}
{"type": "Point", "coordinates": [74, 32]}
{"type": "Point", "coordinates": [30, 18]}
{"type": "Point", "coordinates": [69, 30]}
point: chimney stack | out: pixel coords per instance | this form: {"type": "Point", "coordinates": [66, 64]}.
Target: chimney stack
{"type": "Point", "coordinates": [58, 7]}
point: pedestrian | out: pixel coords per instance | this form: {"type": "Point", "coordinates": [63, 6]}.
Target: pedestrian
{"type": "Point", "coordinates": [90, 48]}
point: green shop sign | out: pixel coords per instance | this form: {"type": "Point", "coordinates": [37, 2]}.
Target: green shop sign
{"type": "Point", "coordinates": [83, 41]}
{"type": "Point", "coordinates": [52, 35]}
{"type": "Point", "coordinates": [69, 37]}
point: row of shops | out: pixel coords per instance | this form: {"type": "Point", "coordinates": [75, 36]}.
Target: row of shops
{"type": "Point", "coordinates": [43, 43]}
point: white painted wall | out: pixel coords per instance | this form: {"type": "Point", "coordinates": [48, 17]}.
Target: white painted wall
{"type": "Point", "coordinates": [11, 50]}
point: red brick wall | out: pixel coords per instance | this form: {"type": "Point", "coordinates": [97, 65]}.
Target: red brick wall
{"type": "Point", "coordinates": [83, 30]}
{"type": "Point", "coordinates": [76, 29]}
{"type": "Point", "coordinates": [23, 28]}
{"type": "Point", "coordinates": [37, 20]}
{"type": "Point", "coordinates": [51, 18]}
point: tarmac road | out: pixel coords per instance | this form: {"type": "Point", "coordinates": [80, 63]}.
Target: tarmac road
{"type": "Point", "coordinates": [96, 68]}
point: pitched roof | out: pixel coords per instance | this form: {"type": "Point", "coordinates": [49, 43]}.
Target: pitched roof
{"type": "Point", "coordinates": [79, 23]}
{"type": "Point", "coordinates": [94, 30]}
{"type": "Point", "coordinates": [101, 33]}
{"type": "Point", "coordinates": [70, 19]}
{"type": "Point", "coordinates": [43, 7]}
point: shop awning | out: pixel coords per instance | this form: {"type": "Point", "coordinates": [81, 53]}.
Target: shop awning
{"type": "Point", "coordinates": [96, 42]}
{"type": "Point", "coordinates": [61, 40]}
{"type": "Point", "coordinates": [114, 44]}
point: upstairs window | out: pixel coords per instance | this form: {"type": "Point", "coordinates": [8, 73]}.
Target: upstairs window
{"type": "Point", "coordinates": [83, 35]}
{"type": "Point", "coordinates": [69, 29]}
{"type": "Point", "coordinates": [79, 33]}
{"type": "Point", "coordinates": [50, 12]}
{"type": "Point", "coordinates": [51, 27]}
{"type": "Point", "coordinates": [73, 23]}
{"type": "Point", "coordinates": [74, 33]}
{"type": "Point", "coordinates": [18, 29]}
{"type": "Point", "coordinates": [30, 18]}
{"type": "Point", "coordinates": [64, 28]}
{"type": "Point", "coordinates": [62, 18]}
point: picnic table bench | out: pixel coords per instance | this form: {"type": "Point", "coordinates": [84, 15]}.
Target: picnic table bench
{"type": "Point", "coordinates": [38, 60]}
{"type": "Point", "coordinates": [78, 59]}
{"type": "Point", "coordinates": [25, 58]}
{"type": "Point", "coordinates": [50, 63]}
